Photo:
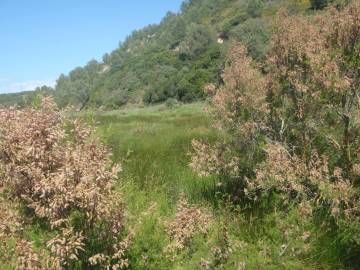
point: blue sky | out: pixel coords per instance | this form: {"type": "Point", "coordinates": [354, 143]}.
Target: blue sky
{"type": "Point", "coordinates": [40, 39]}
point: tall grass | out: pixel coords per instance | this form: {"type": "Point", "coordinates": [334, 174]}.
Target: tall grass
{"type": "Point", "coordinates": [153, 145]}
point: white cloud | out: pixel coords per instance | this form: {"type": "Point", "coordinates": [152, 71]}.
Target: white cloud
{"type": "Point", "coordinates": [25, 86]}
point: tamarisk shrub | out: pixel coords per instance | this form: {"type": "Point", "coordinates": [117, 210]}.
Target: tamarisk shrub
{"type": "Point", "coordinates": [302, 70]}
{"type": "Point", "coordinates": [314, 87]}
{"type": "Point", "coordinates": [238, 108]}
{"type": "Point", "coordinates": [344, 37]}
{"type": "Point", "coordinates": [63, 174]}
{"type": "Point", "coordinates": [314, 84]}
{"type": "Point", "coordinates": [292, 126]}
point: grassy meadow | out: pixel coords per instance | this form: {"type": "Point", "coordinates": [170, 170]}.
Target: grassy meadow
{"type": "Point", "coordinates": [153, 146]}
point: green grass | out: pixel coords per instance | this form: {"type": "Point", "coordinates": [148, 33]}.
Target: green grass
{"type": "Point", "coordinates": [153, 145]}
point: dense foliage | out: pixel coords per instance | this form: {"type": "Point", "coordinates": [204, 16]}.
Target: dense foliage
{"type": "Point", "coordinates": [291, 127]}
{"type": "Point", "coordinates": [63, 179]}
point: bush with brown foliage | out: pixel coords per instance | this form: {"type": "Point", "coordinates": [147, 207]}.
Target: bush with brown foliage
{"type": "Point", "coordinates": [300, 110]}
{"type": "Point", "coordinates": [238, 108]}
{"type": "Point", "coordinates": [63, 174]}
{"type": "Point", "coordinates": [189, 221]}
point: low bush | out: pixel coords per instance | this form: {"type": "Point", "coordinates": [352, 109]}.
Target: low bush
{"type": "Point", "coordinates": [63, 176]}
{"type": "Point", "coordinates": [292, 126]}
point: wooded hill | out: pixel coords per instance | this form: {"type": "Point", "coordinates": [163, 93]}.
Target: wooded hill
{"type": "Point", "coordinates": [173, 59]}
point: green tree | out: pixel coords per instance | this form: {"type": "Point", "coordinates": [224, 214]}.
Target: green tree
{"type": "Point", "coordinates": [197, 39]}
{"type": "Point", "coordinates": [254, 34]}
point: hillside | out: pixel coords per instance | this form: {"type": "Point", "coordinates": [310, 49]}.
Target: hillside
{"type": "Point", "coordinates": [173, 59]}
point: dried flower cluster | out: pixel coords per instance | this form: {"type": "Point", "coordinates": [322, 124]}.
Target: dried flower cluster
{"type": "Point", "coordinates": [11, 228]}
{"type": "Point", "coordinates": [238, 107]}
{"type": "Point", "coordinates": [64, 174]}
{"type": "Point", "coordinates": [243, 92]}
{"type": "Point", "coordinates": [189, 221]}
{"type": "Point", "coordinates": [209, 160]}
